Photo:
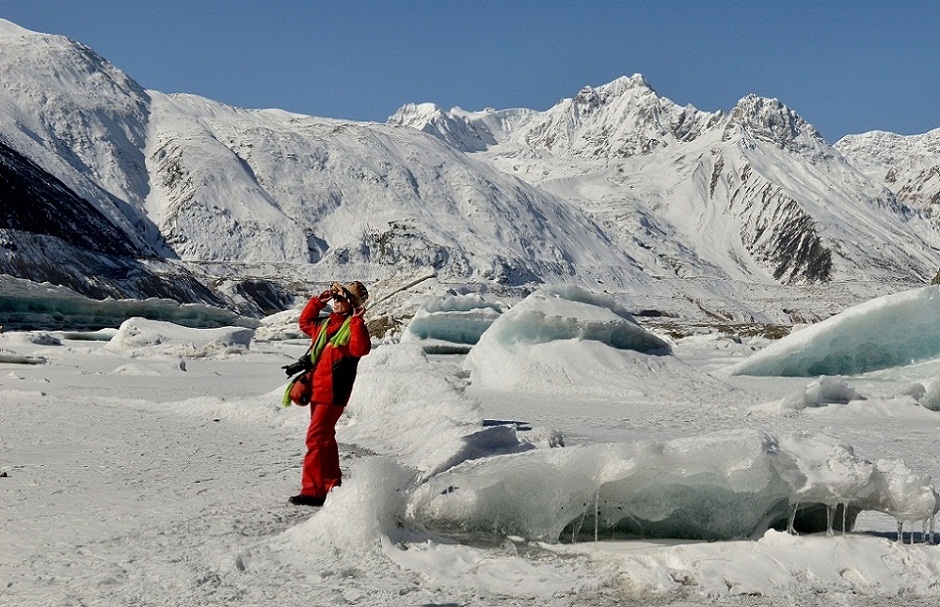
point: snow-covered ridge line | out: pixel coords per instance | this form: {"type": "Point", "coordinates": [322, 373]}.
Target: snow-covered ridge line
{"type": "Point", "coordinates": [908, 165]}
{"type": "Point", "coordinates": [8, 28]}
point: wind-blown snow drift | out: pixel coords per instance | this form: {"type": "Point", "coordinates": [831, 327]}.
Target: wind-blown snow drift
{"type": "Point", "coordinates": [527, 348]}
{"type": "Point", "coordinates": [400, 407]}
{"type": "Point", "coordinates": [889, 331]}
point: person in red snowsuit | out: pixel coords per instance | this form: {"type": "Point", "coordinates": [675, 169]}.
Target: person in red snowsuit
{"type": "Point", "coordinates": [328, 385]}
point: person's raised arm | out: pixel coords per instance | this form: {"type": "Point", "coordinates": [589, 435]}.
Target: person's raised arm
{"type": "Point", "coordinates": [308, 318]}
{"type": "Point", "coordinates": [359, 341]}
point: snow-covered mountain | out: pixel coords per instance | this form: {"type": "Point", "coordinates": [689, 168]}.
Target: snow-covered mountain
{"type": "Point", "coordinates": [755, 194]}
{"type": "Point", "coordinates": [79, 118]}
{"type": "Point", "coordinates": [616, 186]}
{"type": "Point", "coordinates": [908, 165]}
{"type": "Point", "coordinates": [304, 190]}
{"type": "Point", "coordinates": [190, 178]}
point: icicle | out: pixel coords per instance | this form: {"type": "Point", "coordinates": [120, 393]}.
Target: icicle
{"type": "Point", "coordinates": [792, 517]}
{"type": "Point", "coordinates": [830, 517]}
{"type": "Point", "coordinates": [597, 513]}
{"type": "Point", "coordinates": [845, 517]}
{"type": "Point", "coordinates": [900, 531]}
{"type": "Point", "coordinates": [576, 529]}
{"type": "Point", "coordinates": [925, 531]}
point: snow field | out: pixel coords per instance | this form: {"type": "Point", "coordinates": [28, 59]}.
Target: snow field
{"type": "Point", "coordinates": [156, 472]}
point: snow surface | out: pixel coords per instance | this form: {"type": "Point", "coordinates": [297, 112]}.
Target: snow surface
{"type": "Point", "coordinates": [141, 337]}
{"type": "Point", "coordinates": [148, 470]}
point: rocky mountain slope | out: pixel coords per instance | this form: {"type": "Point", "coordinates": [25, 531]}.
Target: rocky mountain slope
{"type": "Point", "coordinates": [304, 190]}
{"type": "Point", "coordinates": [49, 234]}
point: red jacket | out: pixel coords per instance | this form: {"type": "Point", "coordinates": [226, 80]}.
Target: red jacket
{"type": "Point", "coordinates": [335, 371]}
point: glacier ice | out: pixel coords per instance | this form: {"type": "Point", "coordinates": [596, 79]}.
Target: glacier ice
{"type": "Point", "coordinates": [889, 331]}
{"type": "Point", "coordinates": [26, 305]}
{"type": "Point", "coordinates": [820, 392]}
{"type": "Point", "coordinates": [452, 323]}
{"type": "Point", "coordinates": [727, 485]}
{"type": "Point", "coordinates": [931, 396]}
{"type": "Point", "coordinates": [530, 346]}
{"type": "Point", "coordinates": [401, 408]}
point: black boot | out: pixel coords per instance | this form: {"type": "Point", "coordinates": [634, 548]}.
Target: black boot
{"type": "Point", "coordinates": [306, 500]}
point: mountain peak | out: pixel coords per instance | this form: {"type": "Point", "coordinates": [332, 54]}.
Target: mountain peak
{"type": "Point", "coordinates": [770, 120]}
{"type": "Point", "coordinates": [451, 127]}
{"type": "Point", "coordinates": [623, 83]}
{"type": "Point", "coordinates": [622, 118]}
{"type": "Point", "coordinates": [592, 97]}
{"type": "Point", "coordinates": [415, 113]}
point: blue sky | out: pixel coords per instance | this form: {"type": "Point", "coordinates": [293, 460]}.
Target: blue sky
{"type": "Point", "coordinates": [845, 66]}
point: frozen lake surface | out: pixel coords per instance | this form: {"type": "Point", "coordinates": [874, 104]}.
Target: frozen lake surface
{"type": "Point", "coordinates": [568, 459]}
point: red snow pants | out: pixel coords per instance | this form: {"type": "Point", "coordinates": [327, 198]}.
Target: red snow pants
{"type": "Point", "coordinates": [321, 463]}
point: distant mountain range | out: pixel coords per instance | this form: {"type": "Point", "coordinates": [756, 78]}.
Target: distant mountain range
{"type": "Point", "coordinates": [752, 194]}
{"type": "Point", "coordinates": [114, 190]}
